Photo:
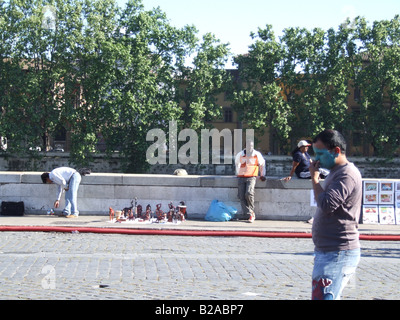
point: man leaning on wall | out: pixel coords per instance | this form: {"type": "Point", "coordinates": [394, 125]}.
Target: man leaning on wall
{"type": "Point", "coordinates": [249, 163]}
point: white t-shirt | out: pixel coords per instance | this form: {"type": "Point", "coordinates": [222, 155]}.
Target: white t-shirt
{"type": "Point", "coordinates": [61, 177]}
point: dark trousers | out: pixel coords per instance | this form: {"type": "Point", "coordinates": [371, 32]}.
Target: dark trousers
{"type": "Point", "coordinates": [246, 191]}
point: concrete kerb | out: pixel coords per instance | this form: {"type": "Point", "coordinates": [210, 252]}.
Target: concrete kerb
{"type": "Point", "coordinates": [264, 229]}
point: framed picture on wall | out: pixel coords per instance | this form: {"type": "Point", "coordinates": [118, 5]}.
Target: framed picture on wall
{"type": "Point", "coordinates": [371, 186]}
{"type": "Point", "coordinates": [387, 215]}
{"type": "Point", "coordinates": [397, 206]}
{"type": "Point", "coordinates": [386, 198]}
{"type": "Point", "coordinates": [370, 198]}
{"type": "Point", "coordinates": [386, 186]}
{"type": "Point", "coordinates": [370, 215]}
{"type": "Point", "coordinates": [371, 192]}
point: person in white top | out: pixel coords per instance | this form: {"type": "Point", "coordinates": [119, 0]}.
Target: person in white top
{"type": "Point", "coordinates": [67, 179]}
{"type": "Point", "coordinates": [249, 163]}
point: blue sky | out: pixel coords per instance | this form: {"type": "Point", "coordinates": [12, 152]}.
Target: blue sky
{"type": "Point", "coordinates": [233, 20]}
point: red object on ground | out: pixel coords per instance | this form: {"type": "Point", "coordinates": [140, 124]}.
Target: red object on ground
{"type": "Point", "coordinates": [200, 233]}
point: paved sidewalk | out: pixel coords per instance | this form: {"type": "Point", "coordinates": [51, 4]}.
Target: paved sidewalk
{"type": "Point", "coordinates": [77, 265]}
{"type": "Point", "coordinates": [194, 225]}
{"type": "Point", "coordinates": [58, 266]}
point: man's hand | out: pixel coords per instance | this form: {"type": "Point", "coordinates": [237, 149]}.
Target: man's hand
{"type": "Point", "coordinates": [314, 171]}
{"type": "Point", "coordinates": [56, 204]}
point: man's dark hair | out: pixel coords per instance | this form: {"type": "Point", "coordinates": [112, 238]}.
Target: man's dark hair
{"type": "Point", "coordinates": [45, 176]}
{"type": "Point", "coordinates": [332, 139]}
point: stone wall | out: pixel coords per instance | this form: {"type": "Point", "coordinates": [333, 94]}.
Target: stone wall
{"type": "Point", "coordinates": [274, 200]}
{"type": "Point", "coordinates": [277, 166]}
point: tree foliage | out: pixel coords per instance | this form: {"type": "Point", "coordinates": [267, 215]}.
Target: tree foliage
{"type": "Point", "coordinates": [316, 71]}
{"type": "Point", "coordinates": [103, 72]}
{"type": "Point", "coordinates": [378, 79]}
{"type": "Point", "coordinates": [112, 74]}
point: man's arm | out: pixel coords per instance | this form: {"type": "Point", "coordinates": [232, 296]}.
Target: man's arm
{"type": "Point", "coordinates": [262, 166]}
{"type": "Point", "coordinates": [294, 166]}
{"type": "Point", "coordinates": [237, 163]}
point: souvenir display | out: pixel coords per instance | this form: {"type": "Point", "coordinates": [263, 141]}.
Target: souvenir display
{"type": "Point", "coordinates": [160, 215]}
{"type": "Point", "coordinates": [135, 214]}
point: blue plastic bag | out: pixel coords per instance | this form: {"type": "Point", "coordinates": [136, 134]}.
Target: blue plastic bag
{"type": "Point", "coordinates": [219, 211]}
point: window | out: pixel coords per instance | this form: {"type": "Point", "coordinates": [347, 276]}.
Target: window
{"type": "Point", "coordinates": [60, 134]}
{"type": "Point", "coordinates": [357, 94]}
{"type": "Point", "coordinates": [357, 139]}
{"type": "Point", "coordinates": [228, 115]}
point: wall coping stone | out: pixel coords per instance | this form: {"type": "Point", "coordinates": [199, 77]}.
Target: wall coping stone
{"type": "Point", "coordinates": [157, 180]}
{"type": "Point", "coordinates": [222, 181]}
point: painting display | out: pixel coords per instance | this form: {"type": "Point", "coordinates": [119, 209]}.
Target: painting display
{"type": "Point", "coordinates": [371, 192]}
{"type": "Point", "coordinates": [397, 202]}
{"type": "Point", "coordinates": [386, 192]}
{"type": "Point", "coordinates": [386, 215]}
{"type": "Point", "coordinates": [370, 214]}
{"type": "Point", "coordinates": [381, 202]}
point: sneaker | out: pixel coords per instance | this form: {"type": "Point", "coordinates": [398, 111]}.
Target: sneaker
{"type": "Point", "coordinates": [72, 216]}
{"type": "Point", "coordinates": [252, 217]}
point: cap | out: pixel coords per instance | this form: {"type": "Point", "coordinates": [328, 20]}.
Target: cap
{"type": "Point", "coordinates": [303, 143]}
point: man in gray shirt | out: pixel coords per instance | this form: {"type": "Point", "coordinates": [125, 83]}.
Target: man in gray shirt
{"type": "Point", "coordinates": [335, 227]}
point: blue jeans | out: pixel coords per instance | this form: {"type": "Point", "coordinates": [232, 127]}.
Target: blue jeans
{"type": "Point", "coordinates": [332, 271]}
{"type": "Point", "coordinates": [71, 195]}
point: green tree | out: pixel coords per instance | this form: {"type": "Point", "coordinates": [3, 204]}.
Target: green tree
{"type": "Point", "coordinates": [201, 83]}
{"type": "Point", "coordinates": [102, 72]}
{"type": "Point", "coordinates": [378, 74]}
{"type": "Point", "coordinates": [301, 73]}
{"type": "Point", "coordinates": [299, 85]}
{"type": "Point", "coordinates": [90, 70]}
{"type": "Point", "coordinates": [28, 78]}
{"type": "Point", "coordinates": [143, 95]}
{"type": "Point", "coordinates": [325, 80]}
{"type": "Point", "coordinates": [149, 89]}
{"type": "Point", "coordinates": [153, 78]}
{"type": "Point", "coordinates": [257, 94]}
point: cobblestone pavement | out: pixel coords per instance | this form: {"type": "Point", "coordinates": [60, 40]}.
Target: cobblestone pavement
{"type": "Point", "coordinates": [94, 266]}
